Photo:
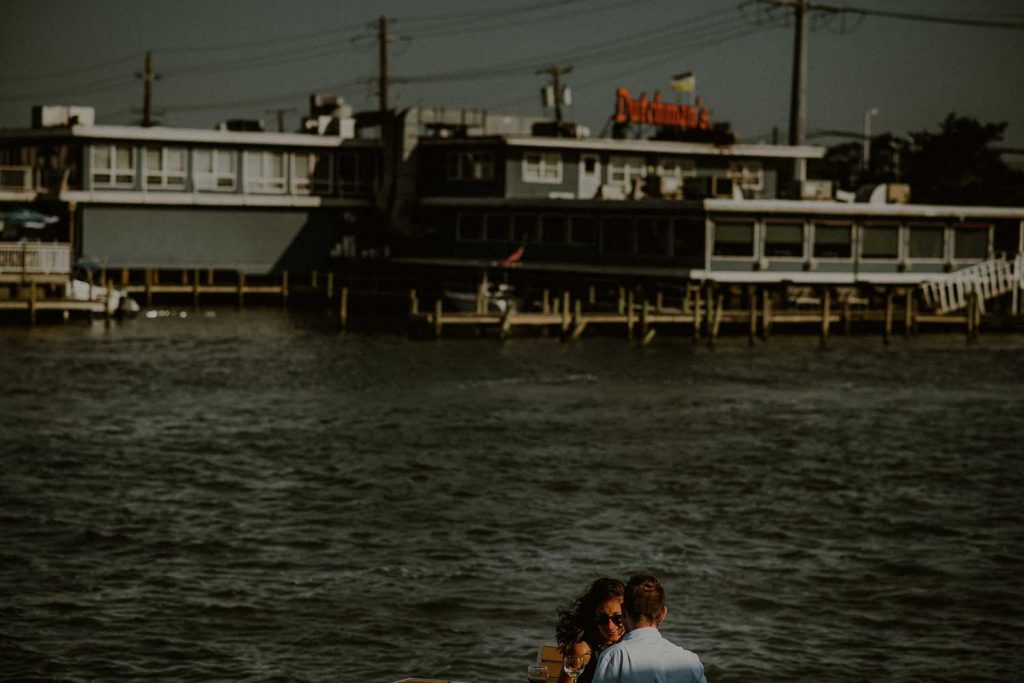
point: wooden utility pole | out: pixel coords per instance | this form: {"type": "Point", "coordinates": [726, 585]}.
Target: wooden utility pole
{"type": "Point", "coordinates": [147, 91]}
{"type": "Point", "coordinates": [382, 55]}
{"type": "Point", "coordinates": [556, 73]}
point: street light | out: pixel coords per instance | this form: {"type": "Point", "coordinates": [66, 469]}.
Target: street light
{"type": "Point", "coordinates": [867, 135]}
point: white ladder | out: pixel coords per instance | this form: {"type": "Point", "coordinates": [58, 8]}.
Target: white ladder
{"type": "Point", "coordinates": [989, 279]}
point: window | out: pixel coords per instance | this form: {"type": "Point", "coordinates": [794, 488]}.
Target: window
{"type": "Point", "coordinates": [357, 173]}
{"type": "Point", "coordinates": [970, 242]}
{"type": "Point", "coordinates": [113, 166]}
{"type": "Point", "coordinates": [652, 236]}
{"type": "Point", "coordinates": [926, 241]}
{"type": "Point", "coordinates": [880, 241]}
{"type": "Point", "coordinates": [470, 165]}
{"type": "Point", "coordinates": [582, 230]}
{"type": "Point", "coordinates": [616, 235]}
{"type": "Point", "coordinates": [553, 229]}
{"type": "Point", "coordinates": [833, 240]}
{"type": "Point", "coordinates": [311, 173]}
{"type": "Point", "coordinates": [624, 170]}
{"type": "Point", "coordinates": [688, 237]}
{"type": "Point", "coordinates": [264, 172]}
{"type": "Point", "coordinates": [215, 170]}
{"type": "Point", "coordinates": [498, 227]}
{"type": "Point", "coordinates": [524, 228]}
{"type": "Point", "coordinates": [749, 175]}
{"type": "Point", "coordinates": [471, 227]}
{"type": "Point", "coordinates": [165, 167]}
{"type": "Point", "coordinates": [677, 168]}
{"type": "Point", "coordinates": [784, 239]}
{"type": "Point", "coordinates": [734, 238]}
{"type": "Point", "coordinates": [542, 167]}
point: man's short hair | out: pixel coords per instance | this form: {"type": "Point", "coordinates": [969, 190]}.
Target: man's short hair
{"type": "Point", "coordinates": [644, 598]}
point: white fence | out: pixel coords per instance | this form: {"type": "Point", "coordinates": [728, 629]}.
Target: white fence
{"type": "Point", "coordinates": [35, 258]}
{"type": "Point", "coordinates": [988, 279]}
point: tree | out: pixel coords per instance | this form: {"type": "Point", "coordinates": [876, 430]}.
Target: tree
{"type": "Point", "coordinates": [958, 165]}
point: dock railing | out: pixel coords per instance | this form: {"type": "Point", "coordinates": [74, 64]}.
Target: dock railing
{"type": "Point", "coordinates": [35, 258]}
{"type": "Point", "coordinates": [987, 280]}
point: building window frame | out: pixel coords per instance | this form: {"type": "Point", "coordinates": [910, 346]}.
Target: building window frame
{"type": "Point", "coordinates": [311, 173]}
{"type": "Point", "coordinates": [971, 229]}
{"type": "Point", "coordinates": [260, 174]}
{"type": "Point", "coordinates": [623, 170]}
{"type": "Point", "coordinates": [157, 172]}
{"type": "Point", "coordinates": [542, 167]}
{"type": "Point", "coordinates": [918, 227]}
{"type": "Point", "coordinates": [222, 172]}
{"type": "Point", "coordinates": [780, 223]}
{"type": "Point", "coordinates": [112, 166]}
{"type": "Point", "coordinates": [470, 165]}
{"type": "Point", "coordinates": [717, 228]}
{"type": "Point", "coordinates": [747, 175]}
{"type": "Point", "coordinates": [828, 225]}
{"type": "Point", "coordinates": [882, 225]}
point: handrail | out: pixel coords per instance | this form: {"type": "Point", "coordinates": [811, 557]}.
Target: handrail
{"type": "Point", "coordinates": [35, 258]}
{"type": "Point", "coordinates": [988, 279]}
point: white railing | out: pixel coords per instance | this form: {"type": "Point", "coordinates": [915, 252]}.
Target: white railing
{"type": "Point", "coordinates": [988, 280]}
{"type": "Point", "coordinates": [35, 258]}
{"type": "Point", "coordinates": [16, 179]}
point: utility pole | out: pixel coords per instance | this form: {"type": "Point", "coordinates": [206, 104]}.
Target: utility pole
{"type": "Point", "coordinates": [382, 53]}
{"type": "Point", "coordinates": [798, 89]}
{"type": "Point", "coordinates": [147, 77]}
{"type": "Point", "coordinates": [556, 73]}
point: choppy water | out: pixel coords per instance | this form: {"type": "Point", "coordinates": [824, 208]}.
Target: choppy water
{"type": "Point", "coordinates": [251, 496]}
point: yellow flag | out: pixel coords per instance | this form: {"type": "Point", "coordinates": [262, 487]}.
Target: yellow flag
{"type": "Point", "coordinates": [684, 82]}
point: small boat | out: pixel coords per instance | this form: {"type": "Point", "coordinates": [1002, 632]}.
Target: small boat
{"type": "Point", "coordinates": [118, 302]}
{"type": "Point", "coordinates": [499, 299]}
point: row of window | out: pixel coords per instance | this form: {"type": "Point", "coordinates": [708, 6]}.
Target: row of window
{"type": "Point", "coordinates": [747, 239]}
{"type": "Point", "coordinates": [217, 170]}
{"type": "Point", "coordinates": [835, 239]}
{"type": "Point", "coordinates": [546, 167]}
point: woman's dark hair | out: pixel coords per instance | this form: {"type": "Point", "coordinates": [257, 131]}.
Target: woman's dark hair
{"type": "Point", "coordinates": [576, 621]}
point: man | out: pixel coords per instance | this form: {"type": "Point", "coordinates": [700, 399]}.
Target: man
{"type": "Point", "coordinates": [643, 656]}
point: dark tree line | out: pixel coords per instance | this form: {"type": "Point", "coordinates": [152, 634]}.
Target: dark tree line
{"type": "Point", "coordinates": [960, 164]}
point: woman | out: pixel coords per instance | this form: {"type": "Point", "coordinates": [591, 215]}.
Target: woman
{"type": "Point", "coordinates": [589, 625]}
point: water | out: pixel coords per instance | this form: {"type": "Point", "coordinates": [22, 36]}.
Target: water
{"type": "Point", "coordinates": [250, 496]}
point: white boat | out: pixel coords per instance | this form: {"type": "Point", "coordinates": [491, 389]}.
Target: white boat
{"type": "Point", "coordinates": [489, 297]}
{"type": "Point", "coordinates": [117, 301]}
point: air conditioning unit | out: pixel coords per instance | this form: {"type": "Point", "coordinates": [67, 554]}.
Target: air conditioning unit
{"type": "Point", "coordinates": [56, 116]}
{"type": "Point", "coordinates": [816, 189]}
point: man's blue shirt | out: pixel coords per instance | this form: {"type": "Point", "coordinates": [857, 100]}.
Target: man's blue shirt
{"type": "Point", "coordinates": [643, 656]}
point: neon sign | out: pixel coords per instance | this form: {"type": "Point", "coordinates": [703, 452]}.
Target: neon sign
{"type": "Point", "coordinates": [658, 113]}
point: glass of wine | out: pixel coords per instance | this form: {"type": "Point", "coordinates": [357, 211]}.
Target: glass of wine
{"type": "Point", "coordinates": [574, 664]}
{"type": "Point", "coordinates": [537, 673]}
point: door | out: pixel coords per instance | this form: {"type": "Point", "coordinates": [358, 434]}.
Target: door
{"type": "Point", "coordinates": [590, 176]}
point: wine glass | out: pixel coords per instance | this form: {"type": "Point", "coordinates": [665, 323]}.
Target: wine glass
{"type": "Point", "coordinates": [537, 673]}
{"type": "Point", "coordinates": [574, 664]}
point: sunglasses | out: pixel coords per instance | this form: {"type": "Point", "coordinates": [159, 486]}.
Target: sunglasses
{"type": "Point", "coordinates": [603, 619]}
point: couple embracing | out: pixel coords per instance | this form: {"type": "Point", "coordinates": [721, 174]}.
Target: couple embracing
{"type": "Point", "coordinates": [613, 628]}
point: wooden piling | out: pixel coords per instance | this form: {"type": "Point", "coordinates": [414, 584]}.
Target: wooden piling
{"type": "Point", "coordinates": [908, 312]}
{"type": "Point", "coordinates": [565, 314]}
{"type": "Point", "coordinates": [752, 305]}
{"type": "Point", "coordinates": [592, 295]}
{"type": "Point", "coordinates": [826, 313]}
{"type": "Point", "coordinates": [545, 302]}
{"type": "Point", "coordinates": [630, 314]}
{"type": "Point", "coordinates": [124, 277]}
{"type": "Point", "coordinates": [343, 309]}
{"type": "Point", "coordinates": [577, 320]}
{"type": "Point", "coordinates": [195, 289]}
{"type": "Point", "coordinates": [284, 288]}
{"type": "Point", "coordinates": [622, 300]}
{"type": "Point", "coordinates": [314, 280]}
{"type": "Point", "coordinates": [715, 322]}
{"type": "Point", "coordinates": [696, 313]}
{"type": "Point", "coordinates": [32, 303]}
{"type": "Point", "coordinates": [149, 288]}
{"type": "Point", "coordinates": [414, 302]}
{"type": "Point", "coordinates": [330, 290]}
{"type": "Point", "coordinates": [106, 303]}
{"type": "Point", "coordinates": [241, 289]}
{"type": "Point", "coordinates": [438, 304]}
{"type": "Point", "coordinates": [887, 335]}
{"type": "Point", "coordinates": [766, 313]}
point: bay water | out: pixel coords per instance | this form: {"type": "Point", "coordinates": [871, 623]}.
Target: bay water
{"type": "Point", "coordinates": [229, 495]}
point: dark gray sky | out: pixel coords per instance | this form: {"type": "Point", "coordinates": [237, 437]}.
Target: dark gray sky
{"type": "Point", "coordinates": [239, 58]}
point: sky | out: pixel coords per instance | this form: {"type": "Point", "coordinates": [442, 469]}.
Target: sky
{"type": "Point", "coordinates": [225, 59]}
